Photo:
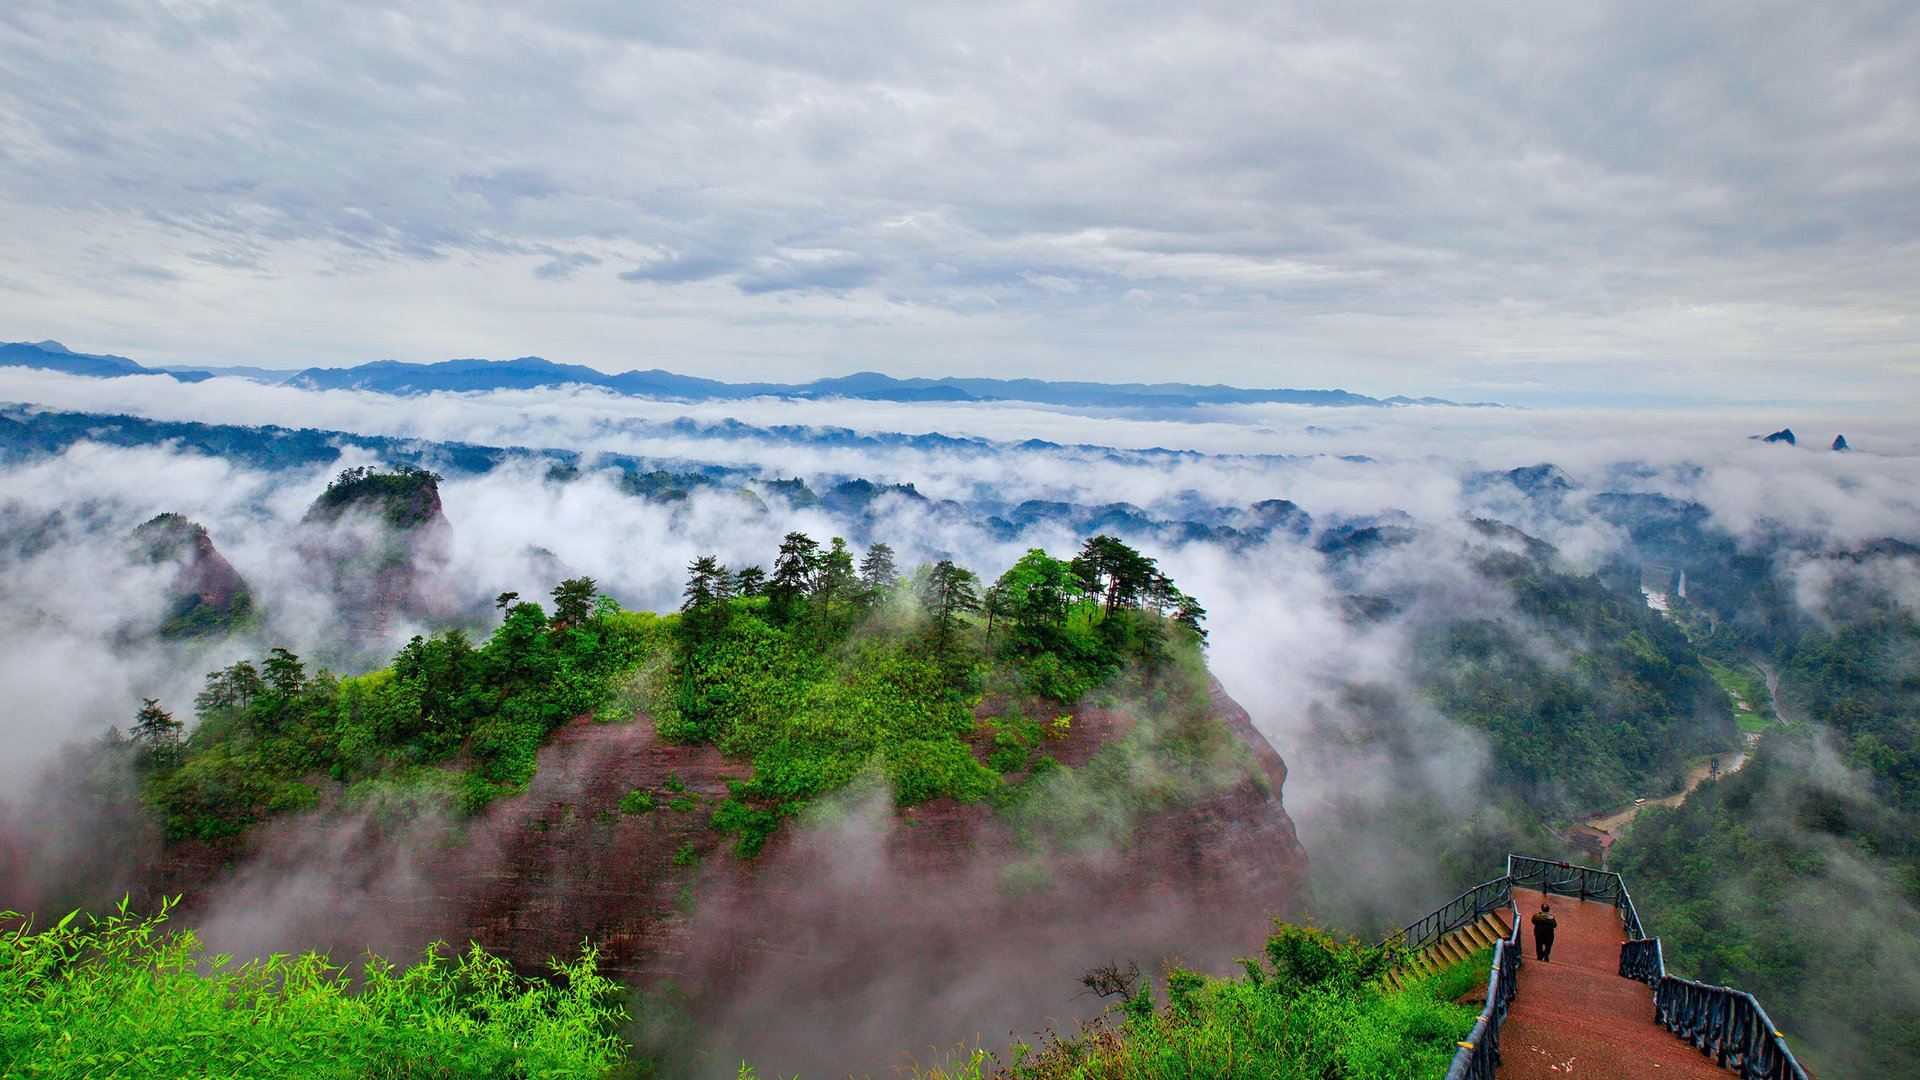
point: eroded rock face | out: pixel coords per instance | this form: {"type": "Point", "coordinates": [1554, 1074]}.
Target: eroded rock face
{"type": "Point", "coordinates": [883, 933]}
{"type": "Point", "coordinates": [380, 545]}
{"type": "Point", "coordinates": [880, 930]}
{"type": "Point", "coordinates": [207, 594]}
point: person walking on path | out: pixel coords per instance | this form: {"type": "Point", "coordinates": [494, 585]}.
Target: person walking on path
{"type": "Point", "coordinates": [1544, 924]}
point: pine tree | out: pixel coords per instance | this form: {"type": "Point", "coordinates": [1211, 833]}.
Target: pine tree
{"type": "Point", "coordinates": [878, 574]}
{"type": "Point", "coordinates": [1188, 613]}
{"type": "Point", "coordinates": [951, 592]}
{"type": "Point", "coordinates": [573, 602]}
{"type": "Point", "coordinates": [232, 687]}
{"type": "Point", "coordinates": [157, 734]}
{"type": "Point", "coordinates": [793, 573]}
{"type": "Point", "coordinates": [750, 581]}
{"type": "Point", "coordinates": [285, 673]}
{"type": "Point", "coordinates": [707, 583]}
{"type": "Point", "coordinates": [835, 578]}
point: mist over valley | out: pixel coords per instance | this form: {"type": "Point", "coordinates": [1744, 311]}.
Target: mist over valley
{"type": "Point", "coordinates": [1028, 540]}
{"type": "Point", "coordinates": [1441, 621]}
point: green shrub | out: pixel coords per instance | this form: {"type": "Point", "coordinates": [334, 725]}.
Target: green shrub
{"type": "Point", "coordinates": [1317, 1012]}
{"type": "Point", "coordinates": [637, 801]}
{"type": "Point", "coordinates": [121, 997]}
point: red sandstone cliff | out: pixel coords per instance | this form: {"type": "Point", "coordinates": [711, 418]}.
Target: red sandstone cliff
{"type": "Point", "coordinates": [381, 554]}
{"type": "Point", "coordinates": [207, 593]}
{"type": "Point", "coordinates": [913, 926]}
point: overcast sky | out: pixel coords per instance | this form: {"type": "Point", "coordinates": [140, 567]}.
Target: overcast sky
{"type": "Point", "coordinates": [1604, 203]}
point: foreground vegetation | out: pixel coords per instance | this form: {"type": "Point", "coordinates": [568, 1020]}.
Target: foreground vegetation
{"type": "Point", "coordinates": [125, 997]}
{"type": "Point", "coordinates": [1309, 1007]}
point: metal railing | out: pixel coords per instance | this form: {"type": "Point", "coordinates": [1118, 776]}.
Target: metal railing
{"type": "Point", "coordinates": [1726, 1024]}
{"type": "Point", "coordinates": [1463, 910]}
{"type": "Point", "coordinates": [1641, 960]}
{"type": "Point", "coordinates": [1585, 882]}
{"type": "Point", "coordinates": [1479, 1055]}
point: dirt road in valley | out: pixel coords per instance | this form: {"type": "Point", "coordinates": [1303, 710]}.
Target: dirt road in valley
{"type": "Point", "coordinates": [1773, 691]}
{"type": "Point", "coordinates": [1729, 763]}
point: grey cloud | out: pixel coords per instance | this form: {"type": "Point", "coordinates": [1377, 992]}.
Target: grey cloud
{"type": "Point", "coordinates": [503, 187]}
{"type": "Point", "coordinates": [565, 264]}
{"type": "Point", "coordinates": [149, 273]}
{"type": "Point", "coordinates": [1487, 186]}
{"type": "Point", "coordinates": [786, 274]}
{"type": "Point", "coordinates": [676, 269]}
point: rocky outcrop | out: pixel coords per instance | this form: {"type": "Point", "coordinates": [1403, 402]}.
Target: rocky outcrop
{"type": "Point", "coordinates": [379, 544]}
{"type": "Point", "coordinates": [933, 923]}
{"type": "Point", "coordinates": [1840, 443]}
{"type": "Point", "coordinates": [1784, 435]}
{"type": "Point", "coordinates": [206, 594]}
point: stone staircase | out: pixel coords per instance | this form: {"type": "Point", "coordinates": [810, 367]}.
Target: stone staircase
{"type": "Point", "coordinates": [1449, 950]}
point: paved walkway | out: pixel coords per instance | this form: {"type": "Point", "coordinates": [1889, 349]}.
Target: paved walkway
{"type": "Point", "coordinates": [1577, 1017]}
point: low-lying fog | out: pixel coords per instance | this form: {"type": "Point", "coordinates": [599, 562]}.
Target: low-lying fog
{"type": "Point", "coordinates": [69, 668]}
{"type": "Point", "coordinates": [72, 660]}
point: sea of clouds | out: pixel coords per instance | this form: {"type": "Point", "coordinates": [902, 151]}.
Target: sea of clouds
{"type": "Point", "coordinates": [75, 655]}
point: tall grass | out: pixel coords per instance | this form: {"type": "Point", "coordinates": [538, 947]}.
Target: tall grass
{"type": "Point", "coordinates": [125, 997]}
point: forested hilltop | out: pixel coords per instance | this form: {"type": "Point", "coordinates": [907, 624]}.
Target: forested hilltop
{"type": "Point", "coordinates": [821, 670]}
{"type": "Point", "coordinates": [814, 672]}
{"type": "Point", "coordinates": [828, 668]}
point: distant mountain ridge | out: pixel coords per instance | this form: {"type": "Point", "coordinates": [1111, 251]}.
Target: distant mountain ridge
{"type": "Point", "coordinates": [395, 377]}
{"type": "Point", "coordinates": [533, 372]}
{"type": "Point", "coordinates": [53, 356]}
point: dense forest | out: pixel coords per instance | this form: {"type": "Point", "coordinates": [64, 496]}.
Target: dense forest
{"type": "Point", "coordinates": [816, 672]}
{"type": "Point", "coordinates": [1553, 694]}
{"type": "Point", "coordinates": [1798, 878]}
{"type": "Point", "coordinates": [1588, 698]}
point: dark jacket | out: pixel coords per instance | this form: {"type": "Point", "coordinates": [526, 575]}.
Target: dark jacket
{"type": "Point", "coordinates": [1544, 924]}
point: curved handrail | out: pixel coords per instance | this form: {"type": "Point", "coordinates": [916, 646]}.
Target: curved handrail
{"type": "Point", "coordinates": [1726, 1024]}
{"type": "Point", "coordinates": [1641, 961]}
{"type": "Point", "coordinates": [1479, 1054]}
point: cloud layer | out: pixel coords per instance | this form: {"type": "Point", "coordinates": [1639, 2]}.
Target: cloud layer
{"type": "Point", "coordinates": [1276, 610]}
{"type": "Point", "coordinates": [1488, 201]}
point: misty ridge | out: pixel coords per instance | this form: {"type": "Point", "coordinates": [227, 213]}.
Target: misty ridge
{"type": "Point", "coordinates": [1392, 567]}
{"type": "Point", "coordinates": [533, 372]}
